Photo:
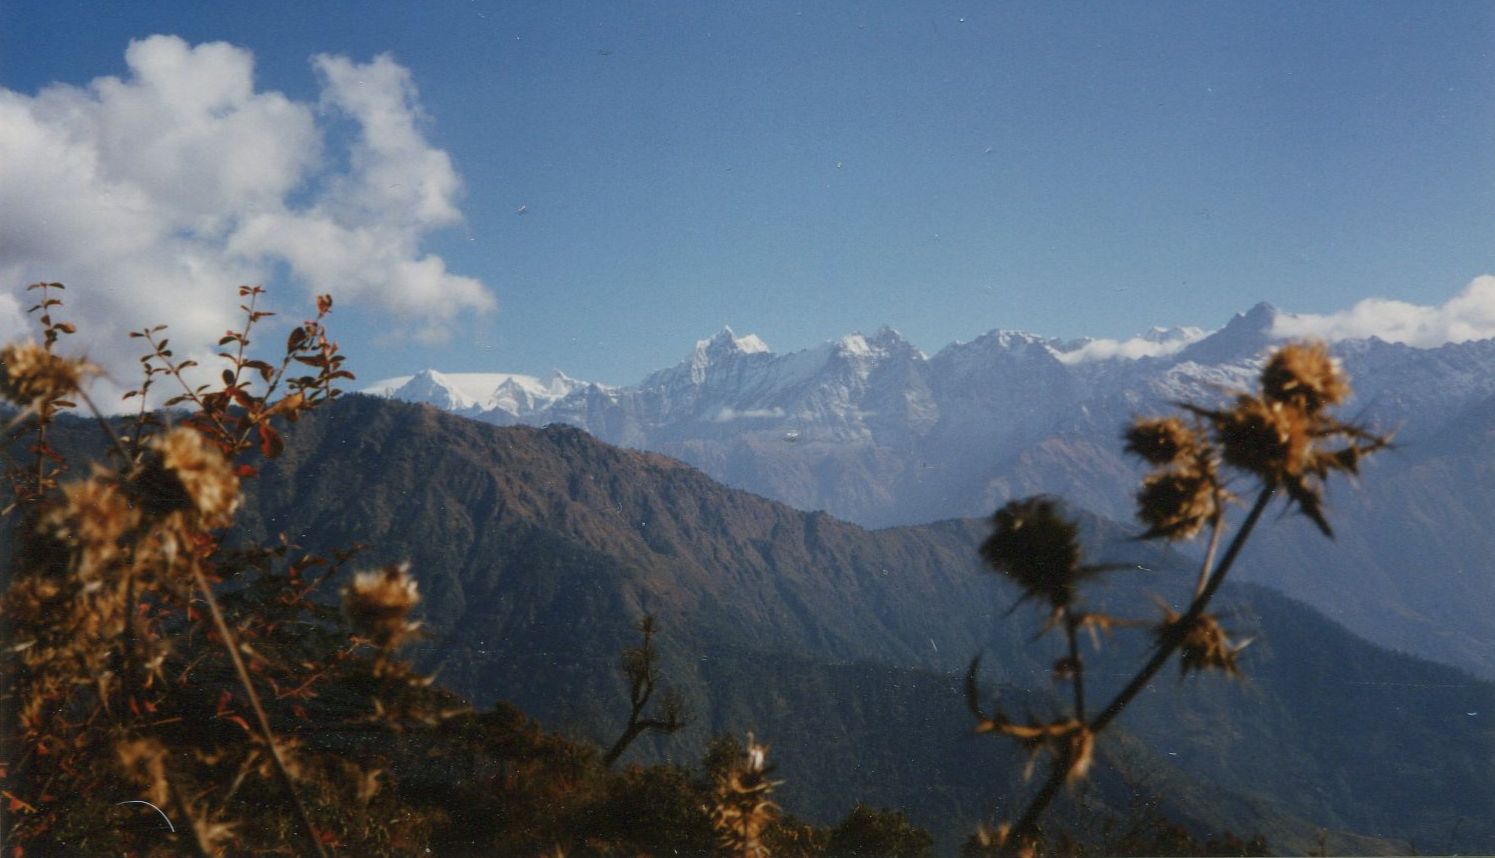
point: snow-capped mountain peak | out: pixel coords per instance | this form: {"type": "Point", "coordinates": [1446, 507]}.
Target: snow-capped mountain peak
{"type": "Point", "coordinates": [727, 406]}
{"type": "Point", "coordinates": [433, 388]}
{"type": "Point", "coordinates": [1245, 336]}
{"type": "Point", "coordinates": [887, 339]}
{"type": "Point", "coordinates": [727, 342]}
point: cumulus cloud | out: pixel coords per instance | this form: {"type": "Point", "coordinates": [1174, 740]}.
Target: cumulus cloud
{"type": "Point", "coordinates": [154, 194]}
{"type": "Point", "coordinates": [1469, 315]}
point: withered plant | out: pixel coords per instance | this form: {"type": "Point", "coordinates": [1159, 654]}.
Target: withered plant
{"type": "Point", "coordinates": [742, 807]}
{"type": "Point", "coordinates": [1281, 440]}
{"type": "Point", "coordinates": [157, 679]}
{"type": "Point", "coordinates": [640, 667]}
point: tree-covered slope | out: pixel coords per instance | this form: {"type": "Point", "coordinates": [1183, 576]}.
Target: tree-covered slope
{"type": "Point", "coordinates": [537, 550]}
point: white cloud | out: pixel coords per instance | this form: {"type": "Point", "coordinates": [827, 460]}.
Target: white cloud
{"type": "Point", "coordinates": [1469, 315]}
{"type": "Point", "coordinates": [727, 414]}
{"type": "Point", "coordinates": [153, 195]}
{"type": "Point", "coordinates": [1158, 343]}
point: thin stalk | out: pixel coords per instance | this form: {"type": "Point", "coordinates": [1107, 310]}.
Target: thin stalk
{"type": "Point", "coordinates": [1171, 643]}
{"type": "Point", "coordinates": [1167, 645]}
{"type": "Point", "coordinates": [1216, 528]}
{"type": "Point", "coordinates": [231, 645]}
{"type": "Point", "coordinates": [1071, 626]}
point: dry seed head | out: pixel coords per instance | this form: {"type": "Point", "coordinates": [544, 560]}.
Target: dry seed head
{"type": "Point", "coordinates": [1177, 504]}
{"type": "Point", "coordinates": [93, 518]}
{"type": "Point", "coordinates": [1162, 441]}
{"type": "Point", "coordinates": [741, 808]}
{"type": "Point", "coordinates": [1205, 645]}
{"type": "Point", "coordinates": [378, 603]}
{"type": "Point", "coordinates": [184, 472]}
{"type": "Point", "coordinates": [1305, 376]}
{"type": "Point", "coordinates": [1270, 439]}
{"type": "Point", "coordinates": [31, 373]}
{"type": "Point", "coordinates": [1035, 547]}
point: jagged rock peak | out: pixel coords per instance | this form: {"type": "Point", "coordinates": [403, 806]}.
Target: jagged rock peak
{"type": "Point", "coordinates": [1245, 336]}
{"type": "Point", "coordinates": [889, 340]}
{"type": "Point", "coordinates": [1260, 317]}
{"type": "Point", "coordinates": [727, 342]}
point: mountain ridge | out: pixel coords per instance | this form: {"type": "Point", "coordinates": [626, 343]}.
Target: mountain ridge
{"type": "Point", "coordinates": [875, 431]}
{"type": "Point", "coordinates": [537, 548]}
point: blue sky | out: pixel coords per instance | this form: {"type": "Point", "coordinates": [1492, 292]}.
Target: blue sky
{"type": "Point", "coordinates": [803, 170]}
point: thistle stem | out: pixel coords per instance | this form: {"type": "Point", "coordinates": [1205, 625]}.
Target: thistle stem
{"type": "Point", "coordinates": [1216, 528]}
{"type": "Point", "coordinates": [1071, 626]}
{"type": "Point", "coordinates": [1167, 645]}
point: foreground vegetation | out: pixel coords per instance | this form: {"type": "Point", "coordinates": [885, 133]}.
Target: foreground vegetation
{"type": "Point", "coordinates": [153, 654]}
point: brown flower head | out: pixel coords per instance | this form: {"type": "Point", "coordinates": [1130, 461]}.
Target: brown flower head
{"type": "Point", "coordinates": [1177, 504]}
{"type": "Point", "coordinates": [1204, 645]}
{"type": "Point", "coordinates": [1281, 435]}
{"type": "Point", "coordinates": [1032, 544]}
{"type": "Point", "coordinates": [1162, 441]}
{"type": "Point", "coordinates": [1270, 439]}
{"type": "Point", "coordinates": [182, 471]}
{"type": "Point", "coordinates": [31, 374]}
{"type": "Point", "coordinates": [93, 518]}
{"type": "Point", "coordinates": [378, 603]}
{"type": "Point", "coordinates": [1304, 376]}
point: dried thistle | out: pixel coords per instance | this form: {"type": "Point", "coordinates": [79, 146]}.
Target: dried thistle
{"type": "Point", "coordinates": [1281, 435]}
{"type": "Point", "coordinates": [1038, 549]}
{"type": "Point", "coordinates": [741, 808]}
{"type": "Point", "coordinates": [1304, 376]}
{"type": "Point", "coordinates": [1270, 439]}
{"type": "Point", "coordinates": [1203, 645]}
{"type": "Point", "coordinates": [1177, 504]}
{"type": "Point", "coordinates": [34, 374]}
{"type": "Point", "coordinates": [379, 602]}
{"type": "Point", "coordinates": [1163, 441]}
{"type": "Point", "coordinates": [182, 472]}
{"type": "Point", "coordinates": [93, 519]}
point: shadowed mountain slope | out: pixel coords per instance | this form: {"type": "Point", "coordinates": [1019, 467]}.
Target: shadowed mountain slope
{"type": "Point", "coordinates": [538, 548]}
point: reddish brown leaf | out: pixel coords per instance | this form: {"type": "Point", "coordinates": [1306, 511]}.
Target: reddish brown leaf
{"type": "Point", "coordinates": [271, 444]}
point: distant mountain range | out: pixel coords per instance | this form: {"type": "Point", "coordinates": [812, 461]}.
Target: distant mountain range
{"type": "Point", "coordinates": [874, 431]}
{"type": "Point", "coordinates": [537, 549]}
